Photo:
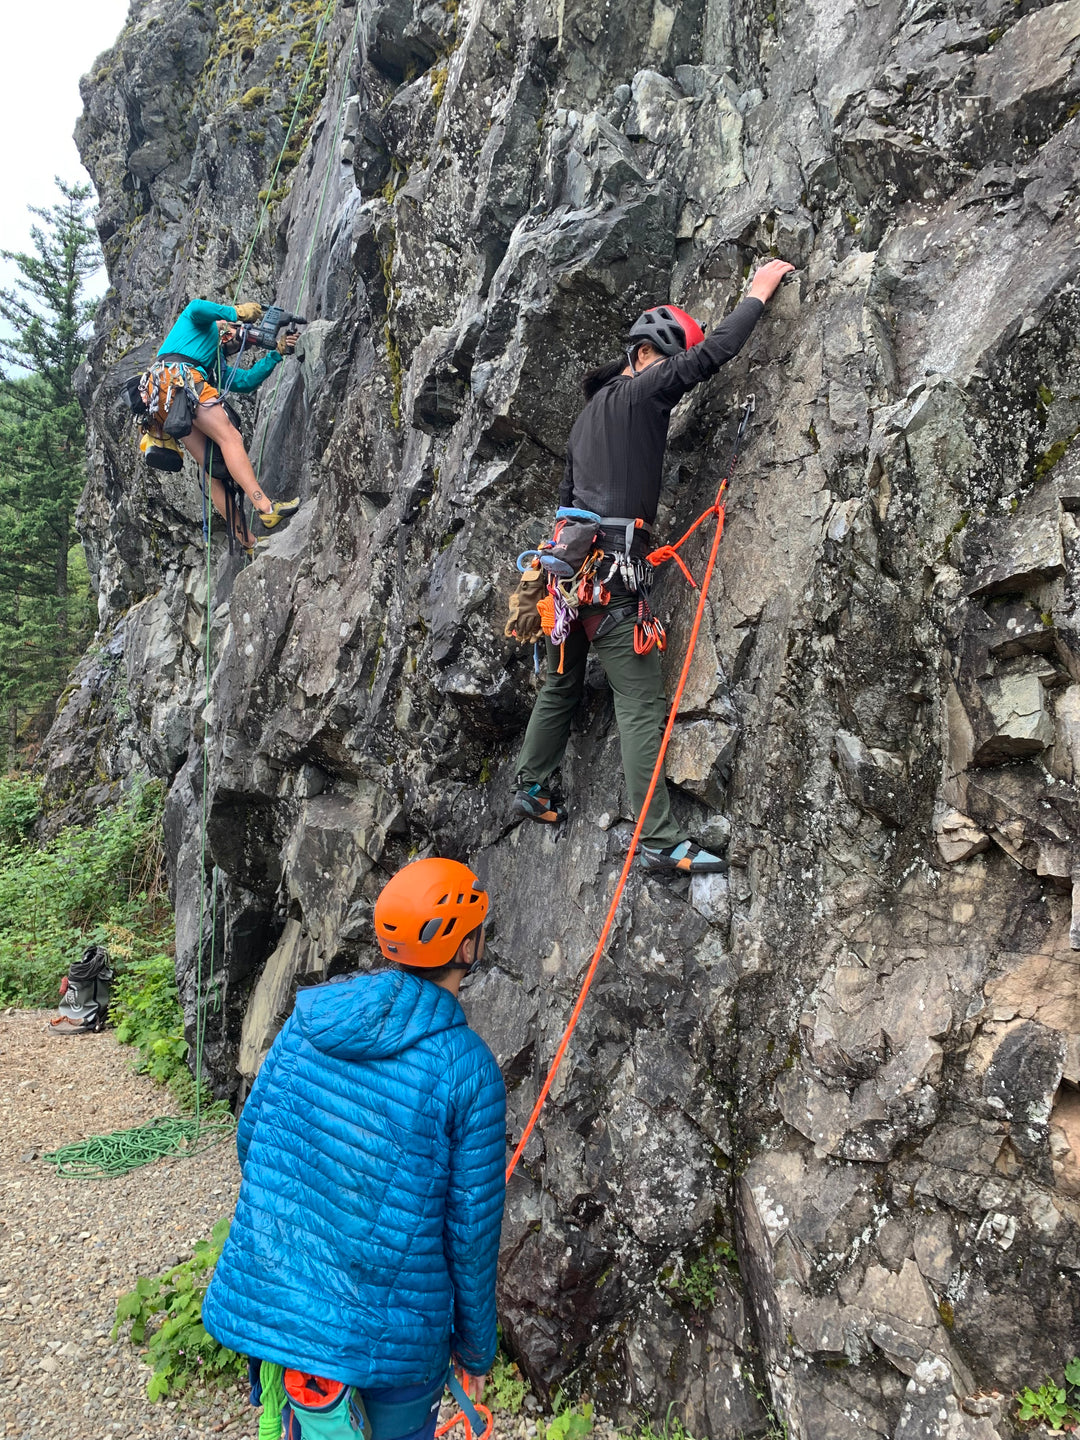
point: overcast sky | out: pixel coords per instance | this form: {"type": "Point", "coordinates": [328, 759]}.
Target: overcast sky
{"type": "Point", "coordinates": [48, 47]}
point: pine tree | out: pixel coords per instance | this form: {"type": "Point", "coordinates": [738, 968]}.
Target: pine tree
{"type": "Point", "coordinates": [44, 617]}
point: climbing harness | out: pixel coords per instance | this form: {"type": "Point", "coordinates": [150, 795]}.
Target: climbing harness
{"type": "Point", "coordinates": [573, 560]}
{"type": "Point", "coordinates": [312, 1407]}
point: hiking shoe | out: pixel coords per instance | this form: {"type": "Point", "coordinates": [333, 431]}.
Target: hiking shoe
{"type": "Point", "coordinates": [65, 1025]}
{"type": "Point", "coordinates": [536, 803]}
{"type": "Point", "coordinates": [686, 858]}
{"type": "Point", "coordinates": [278, 511]}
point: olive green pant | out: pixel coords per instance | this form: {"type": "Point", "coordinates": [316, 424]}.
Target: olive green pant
{"type": "Point", "coordinates": [640, 709]}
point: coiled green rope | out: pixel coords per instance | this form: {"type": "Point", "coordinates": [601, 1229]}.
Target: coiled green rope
{"type": "Point", "coordinates": [104, 1157]}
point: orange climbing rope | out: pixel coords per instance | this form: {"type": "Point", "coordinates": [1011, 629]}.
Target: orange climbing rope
{"type": "Point", "coordinates": [657, 557]}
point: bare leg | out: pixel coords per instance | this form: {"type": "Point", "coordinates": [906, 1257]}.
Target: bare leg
{"type": "Point", "coordinates": [211, 421]}
{"type": "Point", "coordinates": [195, 444]}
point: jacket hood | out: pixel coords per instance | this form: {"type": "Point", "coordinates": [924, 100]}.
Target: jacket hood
{"type": "Point", "coordinates": [375, 1016]}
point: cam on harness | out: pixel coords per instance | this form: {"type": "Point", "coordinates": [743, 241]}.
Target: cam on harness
{"type": "Point", "coordinates": [575, 569]}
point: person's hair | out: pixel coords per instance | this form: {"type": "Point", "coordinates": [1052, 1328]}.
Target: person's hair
{"type": "Point", "coordinates": [595, 380]}
{"type": "Point", "coordinates": [440, 972]}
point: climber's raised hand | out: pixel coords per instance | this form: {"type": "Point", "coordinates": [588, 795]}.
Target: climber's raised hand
{"type": "Point", "coordinates": [767, 278]}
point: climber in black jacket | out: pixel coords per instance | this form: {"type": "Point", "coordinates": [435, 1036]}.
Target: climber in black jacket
{"type": "Point", "coordinates": [614, 468]}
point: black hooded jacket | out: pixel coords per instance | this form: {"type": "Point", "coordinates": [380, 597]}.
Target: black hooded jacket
{"type": "Point", "coordinates": [615, 454]}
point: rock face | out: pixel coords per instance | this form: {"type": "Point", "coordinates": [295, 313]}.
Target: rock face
{"type": "Point", "coordinates": [853, 1068]}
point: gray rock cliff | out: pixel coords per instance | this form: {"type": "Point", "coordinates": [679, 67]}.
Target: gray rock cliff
{"type": "Point", "coordinates": [816, 1145]}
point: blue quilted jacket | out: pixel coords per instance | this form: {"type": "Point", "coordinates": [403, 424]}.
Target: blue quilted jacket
{"type": "Point", "coordinates": [372, 1148]}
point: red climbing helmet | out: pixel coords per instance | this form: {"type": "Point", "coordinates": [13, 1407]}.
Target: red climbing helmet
{"type": "Point", "coordinates": [667, 329]}
{"type": "Point", "coordinates": [425, 911]}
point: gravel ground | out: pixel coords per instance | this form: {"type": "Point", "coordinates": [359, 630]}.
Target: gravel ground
{"type": "Point", "coordinates": [71, 1248]}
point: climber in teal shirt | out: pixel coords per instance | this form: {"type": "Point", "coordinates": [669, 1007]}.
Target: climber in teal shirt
{"type": "Point", "coordinates": [201, 336]}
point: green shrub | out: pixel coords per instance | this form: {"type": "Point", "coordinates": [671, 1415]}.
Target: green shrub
{"type": "Point", "coordinates": [179, 1349]}
{"type": "Point", "coordinates": [147, 1013]}
{"type": "Point", "coordinates": [20, 805]}
{"type": "Point", "coordinates": [672, 1430]}
{"type": "Point", "coordinates": [568, 1422]}
{"type": "Point", "coordinates": [506, 1390]}
{"type": "Point", "coordinates": [94, 884]}
{"type": "Point", "coordinates": [1053, 1405]}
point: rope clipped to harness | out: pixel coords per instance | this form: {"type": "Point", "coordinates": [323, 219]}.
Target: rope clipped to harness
{"type": "Point", "coordinates": [717, 509]}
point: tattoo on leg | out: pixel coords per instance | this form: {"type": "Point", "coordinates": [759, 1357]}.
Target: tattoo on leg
{"type": "Point", "coordinates": [257, 495]}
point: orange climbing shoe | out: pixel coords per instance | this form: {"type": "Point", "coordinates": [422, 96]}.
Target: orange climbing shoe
{"type": "Point", "coordinates": [686, 858]}
{"type": "Point", "coordinates": [280, 510]}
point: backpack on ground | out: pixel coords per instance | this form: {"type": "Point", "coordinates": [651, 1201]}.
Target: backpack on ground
{"type": "Point", "coordinates": [85, 993]}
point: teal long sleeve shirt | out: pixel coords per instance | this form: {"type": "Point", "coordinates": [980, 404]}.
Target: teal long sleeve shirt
{"type": "Point", "coordinates": [195, 336]}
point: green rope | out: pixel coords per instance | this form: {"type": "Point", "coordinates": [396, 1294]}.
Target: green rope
{"type": "Point", "coordinates": [324, 20]}
{"type": "Point", "coordinates": [105, 1157]}
{"type": "Point", "coordinates": [342, 107]}
{"type": "Point", "coordinates": [272, 1380]}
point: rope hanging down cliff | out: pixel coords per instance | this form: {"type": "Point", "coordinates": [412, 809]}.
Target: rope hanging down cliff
{"type": "Point", "coordinates": [200, 1000]}
{"type": "Point", "coordinates": [657, 557]}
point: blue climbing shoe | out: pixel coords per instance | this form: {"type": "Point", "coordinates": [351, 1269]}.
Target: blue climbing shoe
{"type": "Point", "coordinates": [538, 802]}
{"type": "Point", "coordinates": [686, 858]}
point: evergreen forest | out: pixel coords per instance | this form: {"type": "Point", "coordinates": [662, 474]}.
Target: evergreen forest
{"type": "Point", "coordinates": [46, 605]}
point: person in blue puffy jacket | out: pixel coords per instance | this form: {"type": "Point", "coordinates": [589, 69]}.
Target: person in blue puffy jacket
{"type": "Point", "coordinates": [363, 1251]}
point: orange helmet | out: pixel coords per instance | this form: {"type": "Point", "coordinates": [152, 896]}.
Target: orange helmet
{"type": "Point", "coordinates": [425, 911]}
